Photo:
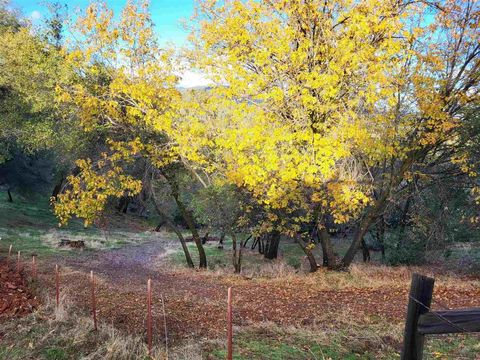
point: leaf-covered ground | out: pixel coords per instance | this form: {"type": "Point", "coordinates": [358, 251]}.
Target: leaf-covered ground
{"type": "Point", "coordinates": [278, 313]}
{"type": "Point", "coordinates": [195, 300]}
{"type": "Point", "coordinates": [16, 299]}
{"type": "Point", "coordinates": [297, 308]}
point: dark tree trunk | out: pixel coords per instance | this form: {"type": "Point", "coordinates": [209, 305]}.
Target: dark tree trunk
{"type": "Point", "coordinates": [123, 204]}
{"type": "Point", "coordinates": [329, 260]}
{"type": "Point", "coordinates": [222, 238]}
{"type": "Point", "coordinates": [357, 240]}
{"type": "Point", "coordinates": [254, 243]}
{"type": "Point", "coordinates": [10, 198]}
{"type": "Point", "coordinates": [246, 241]}
{"type": "Point", "coordinates": [404, 220]}
{"type": "Point", "coordinates": [58, 188]}
{"type": "Point", "coordinates": [365, 251]}
{"type": "Point", "coordinates": [205, 239]}
{"type": "Point", "coordinates": [175, 229]}
{"type": "Point", "coordinates": [261, 245]}
{"type": "Point", "coordinates": [188, 217]}
{"type": "Point", "coordinates": [237, 254]}
{"type": "Point", "coordinates": [377, 209]}
{"type": "Point", "coordinates": [308, 251]}
{"type": "Point", "coordinates": [381, 236]}
{"type": "Point", "coordinates": [160, 224]}
{"type": "Point", "coordinates": [271, 252]}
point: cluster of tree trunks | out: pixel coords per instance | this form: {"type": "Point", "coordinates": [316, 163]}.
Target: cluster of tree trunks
{"type": "Point", "coordinates": [267, 244]}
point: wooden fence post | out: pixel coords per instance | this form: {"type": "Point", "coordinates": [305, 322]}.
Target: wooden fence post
{"type": "Point", "coordinates": [34, 268]}
{"type": "Point", "coordinates": [9, 254]}
{"type": "Point", "coordinates": [165, 326]}
{"type": "Point", "coordinates": [419, 302]}
{"type": "Point", "coordinates": [149, 317]}
{"type": "Point", "coordinates": [57, 286]}
{"type": "Point", "coordinates": [229, 325]}
{"type": "Point", "coordinates": [18, 262]}
{"type": "Point", "coordinates": [94, 301]}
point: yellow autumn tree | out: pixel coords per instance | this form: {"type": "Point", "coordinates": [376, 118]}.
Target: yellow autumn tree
{"type": "Point", "coordinates": [298, 106]}
{"type": "Point", "coordinates": [123, 89]}
{"type": "Point", "coordinates": [326, 106]}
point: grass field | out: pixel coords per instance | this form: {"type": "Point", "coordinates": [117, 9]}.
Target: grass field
{"type": "Point", "coordinates": [33, 228]}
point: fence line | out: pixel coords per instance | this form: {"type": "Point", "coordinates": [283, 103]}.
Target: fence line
{"type": "Point", "coordinates": [421, 320]}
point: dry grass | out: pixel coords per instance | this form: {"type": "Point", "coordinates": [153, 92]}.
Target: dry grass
{"type": "Point", "coordinates": [366, 276]}
{"type": "Point", "coordinates": [66, 330]}
{"type": "Point", "coordinates": [359, 276]}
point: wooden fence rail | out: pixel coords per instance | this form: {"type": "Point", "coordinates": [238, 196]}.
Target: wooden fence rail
{"type": "Point", "coordinates": [422, 321]}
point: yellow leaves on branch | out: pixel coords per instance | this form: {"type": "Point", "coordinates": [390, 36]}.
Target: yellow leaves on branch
{"type": "Point", "coordinates": [88, 192]}
{"type": "Point", "coordinates": [123, 84]}
{"type": "Point", "coordinates": [123, 77]}
{"type": "Point", "coordinates": [303, 84]}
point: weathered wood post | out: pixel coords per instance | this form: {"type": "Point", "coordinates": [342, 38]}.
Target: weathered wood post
{"type": "Point", "coordinates": [149, 317]}
{"type": "Point", "coordinates": [18, 262]}
{"type": "Point", "coordinates": [419, 302]}
{"type": "Point", "coordinates": [57, 286]}
{"type": "Point", "coordinates": [9, 254]}
{"type": "Point", "coordinates": [94, 301]}
{"type": "Point", "coordinates": [165, 326]}
{"type": "Point", "coordinates": [229, 325]}
{"type": "Point", "coordinates": [34, 268]}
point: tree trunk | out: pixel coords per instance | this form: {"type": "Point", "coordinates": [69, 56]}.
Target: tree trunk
{"type": "Point", "coordinates": [160, 224]}
{"type": "Point", "coordinates": [246, 241]}
{"type": "Point", "coordinates": [10, 198]}
{"type": "Point", "coordinates": [196, 237]}
{"type": "Point", "coordinates": [58, 188]}
{"type": "Point", "coordinates": [357, 239]}
{"type": "Point", "coordinates": [376, 210]}
{"type": "Point", "coordinates": [123, 204]}
{"type": "Point", "coordinates": [187, 216]}
{"type": "Point", "coordinates": [329, 260]}
{"type": "Point", "coordinates": [175, 229]}
{"type": "Point", "coordinates": [308, 251]}
{"type": "Point", "coordinates": [237, 254]}
{"type": "Point", "coordinates": [272, 248]}
{"type": "Point", "coordinates": [254, 243]}
{"type": "Point", "coordinates": [365, 251]}
{"type": "Point", "coordinates": [261, 245]}
{"type": "Point", "coordinates": [404, 221]}
{"type": "Point", "coordinates": [205, 239]}
{"type": "Point", "coordinates": [381, 236]}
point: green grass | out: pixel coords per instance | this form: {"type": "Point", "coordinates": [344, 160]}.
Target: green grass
{"type": "Point", "coordinates": [384, 341]}
{"type": "Point", "coordinates": [453, 347]}
{"type": "Point", "coordinates": [30, 226]}
{"type": "Point", "coordinates": [22, 224]}
{"type": "Point", "coordinates": [271, 342]}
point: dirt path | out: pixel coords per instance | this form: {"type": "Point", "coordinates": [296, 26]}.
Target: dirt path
{"type": "Point", "coordinates": [195, 300]}
{"type": "Point", "coordinates": [131, 263]}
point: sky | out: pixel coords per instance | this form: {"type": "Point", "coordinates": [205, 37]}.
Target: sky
{"type": "Point", "coordinates": [167, 15]}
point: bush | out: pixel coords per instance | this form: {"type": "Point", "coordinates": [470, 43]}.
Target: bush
{"type": "Point", "coordinates": [406, 252]}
